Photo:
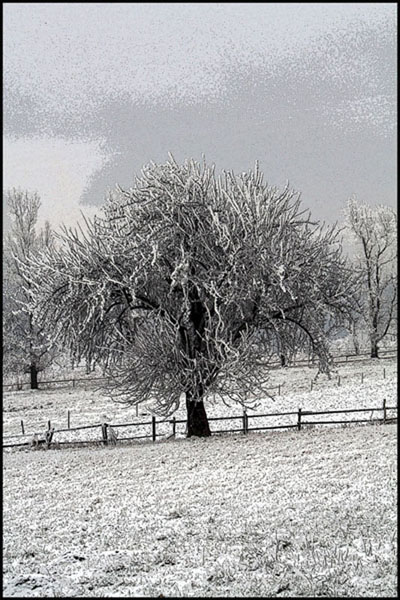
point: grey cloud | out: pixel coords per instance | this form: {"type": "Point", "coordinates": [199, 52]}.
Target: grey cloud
{"type": "Point", "coordinates": [289, 114]}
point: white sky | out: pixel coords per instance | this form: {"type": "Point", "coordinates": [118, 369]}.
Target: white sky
{"type": "Point", "coordinates": [69, 52]}
{"type": "Point", "coordinates": [70, 69]}
{"type": "Point", "coordinates": [58, 169]}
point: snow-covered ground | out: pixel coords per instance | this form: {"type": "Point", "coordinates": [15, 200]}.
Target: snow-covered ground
{"type": "Point", "coordinates": [278, 513]}
{"type": "Point", "coordinates": [287, 513]}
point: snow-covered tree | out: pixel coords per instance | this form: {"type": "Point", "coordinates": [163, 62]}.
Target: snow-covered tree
{"type": "Point", "coordinates": [26, 349]}
{"type": "Point", "coordinates": [189, 283]}
{"type": "Point", "coordinates": [374, 230]}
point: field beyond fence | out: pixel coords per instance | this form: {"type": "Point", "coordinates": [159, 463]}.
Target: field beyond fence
{"type": "Point", "coordinates": [90, 380]}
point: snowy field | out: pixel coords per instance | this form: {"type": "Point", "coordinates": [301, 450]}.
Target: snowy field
{"type": "Point", "coordinates": [310, 513]}
{"type": "Point", "coordinates": [278, 513]}
{"type": "Point", "coordinates": [89, 406]}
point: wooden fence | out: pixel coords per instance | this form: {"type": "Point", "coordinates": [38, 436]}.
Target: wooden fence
{"type": "Point", "coordinates": [278, 387]}
{"type": "Point", "coordinates": [245, 421]}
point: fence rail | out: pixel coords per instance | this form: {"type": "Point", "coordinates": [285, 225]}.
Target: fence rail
{"type": "Point", "coordinates": [74, 380]}
{"type": "Point", "coordinates": [298, 424]}
{"type": "Point", "coordinates": [337, 358]}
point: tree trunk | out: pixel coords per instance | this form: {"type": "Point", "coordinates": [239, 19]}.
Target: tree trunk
{"type": "Point", "coordinates": [34, 380]}
{"type": "Point", "coordinates": [374, 349]}
{"type": "Point", "coordinates": [197, 421]}
{"type": "Point", "coordinates": [374, 336]}
{"type": "Point", "coordinates": [356, 342]}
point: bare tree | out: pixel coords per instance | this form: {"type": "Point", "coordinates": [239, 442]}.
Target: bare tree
{"type": "Point", "coordinates": [375, 231]}
{"type": "Point", "coordinates": [189, 283]}
{"type": "Point", "coordinates": [25, 346]}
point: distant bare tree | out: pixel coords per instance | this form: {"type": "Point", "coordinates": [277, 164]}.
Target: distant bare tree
{"type": "Point", "coordinates": [25, 346]}
{"type": "Point", "coordinates": [190, 283]}
{"type": "Point", "coordinates": [375, 231]}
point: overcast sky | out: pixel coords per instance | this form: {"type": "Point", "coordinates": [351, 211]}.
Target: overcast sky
{"type": "Point", "coordinates": [92, 92]}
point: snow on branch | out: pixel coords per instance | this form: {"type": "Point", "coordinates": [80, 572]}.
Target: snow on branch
{"type": "Point", "coordinates": [188, 283]}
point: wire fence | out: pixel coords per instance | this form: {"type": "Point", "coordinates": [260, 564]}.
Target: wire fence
{"type": "Point", "coordinates": [76, 381]}
{"type": "Point", "coordinates": [106, 434]}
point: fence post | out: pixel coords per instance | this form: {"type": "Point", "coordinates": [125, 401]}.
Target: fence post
{"type": "Point", "coordinates": [173, 426]}
{"type": "Point", "coordinates": [279, 389]}
{"type": "Point", "coordinates": [48, 425]}
{"type": "Point", "coordinates": [384, 410]}
{"type": "Point", "coordinates": [73, 382]}
{"type": "Point", "coordinates": [299, 420]}
{"type": "Point", "coordinates": [384, 373]}
{"type": "Point", "coordinates": [244, 421]}
{"type": "Point", "coordinates": [104, 433]}
{"type": "Point", "coordinates": [153, 428]}
{"type": "Point", "coordinates": [338, 380]}
{"type": "Point", "coordinates": [22, 427]}
{"type": "Point", "coordinates": [69, 419]}
{"type": "Point", "coordinates": [362, 377]}
{"type": "Point", "coordinates": [311, 385]}
{"type": "Point", "coordinates": [49, 437]}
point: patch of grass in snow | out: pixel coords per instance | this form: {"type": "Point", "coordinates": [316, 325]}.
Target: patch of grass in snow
{"type": "Point", "coordinates": [304, 514]}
